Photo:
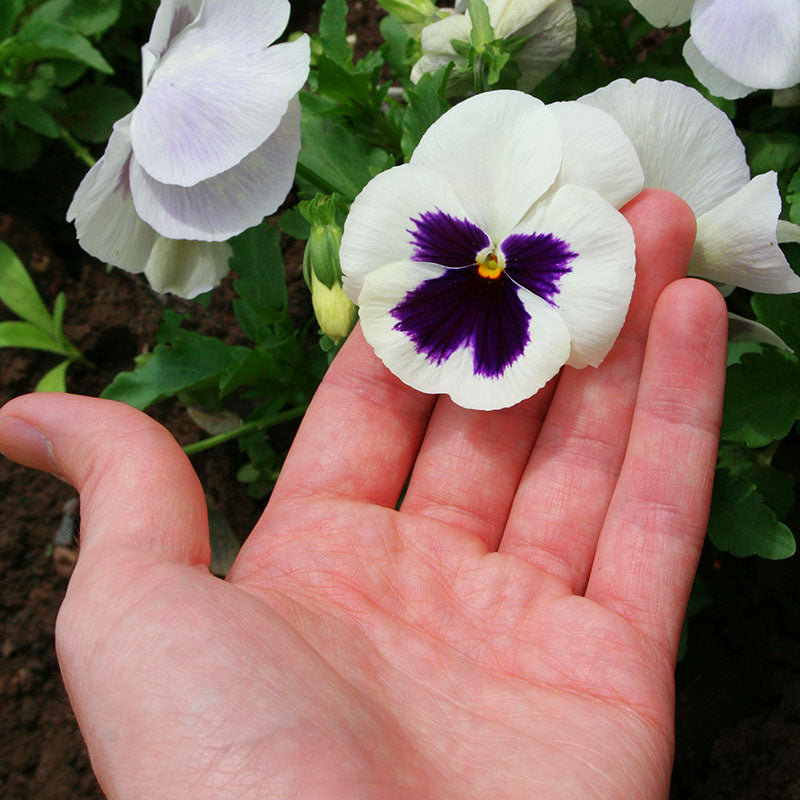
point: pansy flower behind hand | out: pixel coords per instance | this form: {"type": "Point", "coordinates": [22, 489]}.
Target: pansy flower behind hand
{"type": "Point", "coordinates": [496, 256]}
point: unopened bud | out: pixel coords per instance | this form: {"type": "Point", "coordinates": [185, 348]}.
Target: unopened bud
{"type": "Point", "coordinates": [335, 313]}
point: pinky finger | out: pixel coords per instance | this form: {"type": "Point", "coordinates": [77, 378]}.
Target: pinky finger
{"type": "Point", "coordinates": [654, 529]}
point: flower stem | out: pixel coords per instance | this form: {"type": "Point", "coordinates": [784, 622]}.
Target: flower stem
{"type": "Point", "coordinates": [80, 151]}
{"type": "Point", "coordinates": [319, 182]}
{"type": "Point", "coordinates": [478, 82]}
{"type": "Point", "coordinates": [247, 427]}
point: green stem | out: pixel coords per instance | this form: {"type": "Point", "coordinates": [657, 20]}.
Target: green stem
{"type": "Point", "coordinates": [247, 427]}
{"type": "Point", "coordinates": [478, 82]}
{"type": "Point", "coordinates": [80, 151]}
{"type": "Point", "coordinates": [319, 182]}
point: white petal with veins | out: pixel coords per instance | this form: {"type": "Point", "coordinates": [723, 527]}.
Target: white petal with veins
{"type": "Point", "coordinates": [510, 142]}
{"type": "Point", "coordinates": [737, 241]}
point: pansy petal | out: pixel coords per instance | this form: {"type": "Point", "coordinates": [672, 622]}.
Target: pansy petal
{"type": "Point", "coordinates": [500, 151]}
{"type": "Point", "coordinates": [717, 82]}
{"type": "Point", "coordinates": [741, 329]}
{"type": "Point", "coordinates": [664, 12]}
{"type": "Point", "coordinates": [436, 38]}
{"type": "Point", "coordinates": [172, 16]}
{"type": "Point", "coordinates": [597, 154]}
{"type": "Point", "coordinates": [552, 40]}
{"type": "Point", "coordinates": [211, 101]}
{"type": "Point", "coordinates": [737, 241]}
{"type": "Point", "coordinates": [187, 268]}
{"type": "Point", "coordinates": [430, 62]}
{"type": "Point", "coordinates": [685, 144]}
{"type": "Point", "coordinates": [755, 43]}
{"type": "Point", "coordinates": [542, 341]}
{"type": "Point", "coordinates": [379, 228]}
{"type": "Point", "coordinates": [106, 221]}
{"type": "Point", "coordinates": [594, 292]}
{"type": "Point", "coordinates": [226, 204]}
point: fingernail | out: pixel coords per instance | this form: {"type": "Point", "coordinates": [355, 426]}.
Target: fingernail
{"type": "Point", "coordinates": [23, 443]}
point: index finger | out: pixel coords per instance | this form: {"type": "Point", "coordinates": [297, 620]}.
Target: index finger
{"type": "Point", "coordinates": [361, 433]}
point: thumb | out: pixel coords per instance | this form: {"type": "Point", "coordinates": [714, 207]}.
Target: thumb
{"type": "Point", "coordinates": [138, 489]}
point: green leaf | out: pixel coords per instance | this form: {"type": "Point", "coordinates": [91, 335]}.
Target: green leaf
{"type": "Point", "coordinates": [9, 11]}
{"type": "Point", "coordinates": [780, 313]}
{"type": "Point", "coordinates": [42, 39]}
{"type": "Point", "coordinates": [262, 366]}
{"type": "Point", "coordinates": [778, 150]}
{"type": "Point", "coordinates": [762, 397]}
{"type": "Point", "coordinates": [189, 362]}
{"type": "Point", "coordinates": [88, 17]}
{"type": "Point", "coordinates": [55, 380]}
{"type": "Point", "coordinates": [482, 32]}
{"type": "Point", "coordinates": [261, 284]}
{"type": "Point", "coordinates": [742, 524]}
{"type": "Point", "coordinates": [793, 198]}
{"type": "Point", "coordinates": [426, 103]}
{"type": "Point", "coordinates": [20, 148]}
{"type": "Point", "coordinates": [338, 155]}
{"type": "Point", "coordinates": [294, 224]}
{"type": "Point", "coordinates": [333, 31]}
{"type": "Point", "coordinates": [18, 292]}
{"type": "Point", "coordinates": [775, 486]}
{"type": "Point", "coordinates": [93, 108]}
{"type": "Point", "coordinates": [23, 334]}
{"type": "Point", "coordinates": [32, 116]}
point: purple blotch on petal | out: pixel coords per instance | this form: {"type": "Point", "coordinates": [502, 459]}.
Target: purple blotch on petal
{"type": "Point", "coordinates": [538, 261]}
{"type": "Point", "coordinates": [462, 309]}
{"type": "Point", "coordinates": [442, 239]}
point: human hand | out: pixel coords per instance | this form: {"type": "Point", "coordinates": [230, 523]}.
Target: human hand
{"type": "Point", "coordinates": [511, 632]}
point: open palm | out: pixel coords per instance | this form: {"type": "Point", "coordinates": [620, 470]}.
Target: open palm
{"type": "Point", "coordinates": [510, 632]}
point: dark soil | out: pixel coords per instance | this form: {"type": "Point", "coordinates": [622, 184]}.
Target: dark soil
{"type": "Point", "coordinates": [738, 714]}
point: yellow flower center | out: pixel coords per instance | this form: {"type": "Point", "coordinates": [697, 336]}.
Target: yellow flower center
{"type": "Point", "coordinates": [490, 264]}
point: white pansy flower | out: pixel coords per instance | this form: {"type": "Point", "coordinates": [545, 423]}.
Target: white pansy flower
{"type": "Point", "coordinates": [496, 255]}
{"type": "Point", "coordinates": [736, 46]}
{"type": "Point", "coordinates": [209, 150]}
{"type": "Point", "coordinates": [690, 147]}
{"type": "Point", "coordinates": [549, 24]}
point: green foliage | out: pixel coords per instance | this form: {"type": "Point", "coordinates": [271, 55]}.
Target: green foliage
{"type": "Point", "coordinates": [183, 361]}
{"type": "Point", "coordinates": [743, 524]}
{"type": "Point", "coordinates": [42, 52]}
{"type": "Point", "coordinates": [426, 103]}
{"type": "Point", "coordinates": [37, 328]}
{"type": "Point", "coordinates": [762, 397]}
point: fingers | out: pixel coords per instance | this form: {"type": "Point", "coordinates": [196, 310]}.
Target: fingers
{"type": "Point", "coordinates": [651, 540]}
{"type": "Point", "coordinates": [568, 483]}
{"type": "Point", "coordinates": [361, 433]}
{"type": "Point", "coordinates": [470, 464]}
{"type": "Point", "coordinates": [138, 489]}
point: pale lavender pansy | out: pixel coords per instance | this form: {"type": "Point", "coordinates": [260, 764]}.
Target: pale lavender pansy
{"type": "Point", "coordinates": [736, 46]}
{"type": "Point", "coordinates": [481, 268]}
{"type": "Point", "coordinates": [688, 146]}
{"type": "Point", "coordinates": [209, 150]}
{"type": "Point", "coordinates": [549, 25]}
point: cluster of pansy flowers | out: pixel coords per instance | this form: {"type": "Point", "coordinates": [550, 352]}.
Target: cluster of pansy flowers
{"type": "Point", "coordinates": [498, 254]}
{"type": "Point", "coordinates": [492, 259]}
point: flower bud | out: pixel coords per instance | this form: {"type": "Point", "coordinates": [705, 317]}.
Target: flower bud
{"type": "Point", "coordinates": [334, 311]}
